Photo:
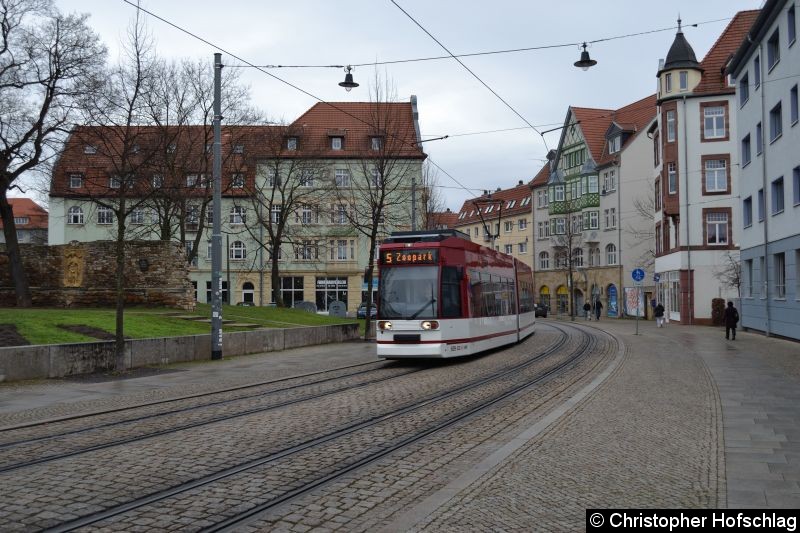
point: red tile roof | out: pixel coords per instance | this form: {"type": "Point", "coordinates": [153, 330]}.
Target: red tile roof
{"type": "Point", "coordinates": [633, 118]}
{"type": "Point", "coordinates": [542, 176]}
{"type": "Point", "coordinates": [713, 64]}
{"type": "Point", "coordinates": [25, 207]}
{"type": "Point", "coordinates": [515, 201]}
{"type": "Point", "coordinates": [593, 124]}
{"type": "Point", "coordinates": [446, 219]}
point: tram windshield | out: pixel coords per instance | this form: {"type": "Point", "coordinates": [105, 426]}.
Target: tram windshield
{"type": "Point", "coordinates": [409, 292]}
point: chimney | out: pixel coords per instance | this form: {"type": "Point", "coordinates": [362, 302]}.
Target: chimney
{"type": "Point", "coordinates": [520, 182]}
{"type": "Point", "coordinates": [498, 189]}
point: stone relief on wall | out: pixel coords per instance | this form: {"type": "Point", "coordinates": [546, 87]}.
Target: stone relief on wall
{"type": "Point", "coordinates": [73, 266]}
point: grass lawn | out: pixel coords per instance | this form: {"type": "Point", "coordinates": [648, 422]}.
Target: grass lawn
{"type": "Point", "coordinates": [40, 326]}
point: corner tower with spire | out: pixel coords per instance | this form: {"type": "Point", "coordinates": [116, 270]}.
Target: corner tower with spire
{"type": "Point", "coordinates": [681, 72]}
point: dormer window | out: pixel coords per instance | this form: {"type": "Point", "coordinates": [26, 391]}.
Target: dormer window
{"type": "Point", "coordinates": [376, 143]}
{"type": "Point", "coordinates": [684, 80]}
{"type": "Point", "coordinates": [291, 143]}
{"type": "Point", "coordinates": [614, 144]}
{"type": "Point", "coordinates": [75, 181]}
{"type": "Point", "coordinates": [336, 143]}
{"type": "Point", "coordinates": [238, 148]}
{"type": "Point", "coordinates": [89, 149]}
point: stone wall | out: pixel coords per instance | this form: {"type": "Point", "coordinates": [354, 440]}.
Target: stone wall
{"type": "Point", "coordinates": [83, 275]}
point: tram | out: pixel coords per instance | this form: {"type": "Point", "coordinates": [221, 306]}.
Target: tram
{"type": "Point", "coordinates": [441, 295]}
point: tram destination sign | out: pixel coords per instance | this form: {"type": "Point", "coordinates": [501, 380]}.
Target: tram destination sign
{"type": "Point", "coordinates": [409, 257]}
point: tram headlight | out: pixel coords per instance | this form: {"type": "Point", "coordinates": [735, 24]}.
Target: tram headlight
{"type": "Point", "coordinates": [384, 325]}
{"type": "Point", "coordinates": [430, 324]}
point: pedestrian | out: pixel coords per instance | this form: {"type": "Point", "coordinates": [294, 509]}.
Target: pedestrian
{"type": "Point", "coordinates": [598, 308]}
{"type": "Point", "coordinates": [586, 308]}
{"type": "Point", "coordinates": [731, 319]}
{"type": "Point", "coordinates": [659, 313]}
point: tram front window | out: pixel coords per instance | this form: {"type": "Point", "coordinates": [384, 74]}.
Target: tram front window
{"type": "Point", "coordinates": [409, 292]}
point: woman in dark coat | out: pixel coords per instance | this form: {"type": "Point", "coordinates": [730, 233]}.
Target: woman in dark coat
{"type": "Point", "coordinates": [731, 319]}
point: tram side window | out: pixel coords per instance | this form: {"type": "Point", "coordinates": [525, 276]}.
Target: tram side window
{"type": "Point", "coordinates": [451, 292]}
{"type": "Point", "coordinates": [476, 293]}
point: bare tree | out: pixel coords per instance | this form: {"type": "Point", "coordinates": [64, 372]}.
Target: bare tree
{"type": "Point", "coordinates": [567, 241]}
{"type": "Point", "coordinates": [48, 61]}
{"type": "Point", "coordinates": [431, 198]}
{"type": "Point", "coordinates": [729, 272]}
{"type": "Point", "coordinates": [641, 229]}
{"type": "Point", "coordinates": [376, 197]}
{"type": "Point", "coordinates": [287, 200]}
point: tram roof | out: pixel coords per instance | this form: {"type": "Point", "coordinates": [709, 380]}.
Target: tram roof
{"type": "Point", "coordinates": [425, 236]}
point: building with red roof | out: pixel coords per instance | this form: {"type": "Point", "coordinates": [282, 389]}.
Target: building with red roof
{"type": "Point", "coordinates": [30, 219]}
{"type": "Point", "coordinates": [323, 170]}
{"type": "Point", "coordinates": [696, 204]}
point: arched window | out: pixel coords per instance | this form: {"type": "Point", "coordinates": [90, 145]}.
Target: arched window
{"type": "Point", "coordinates": [544, 296]}
{"type": "Point", "coordinates": [75, 215]}
{"type": "Point", "coordinates": [562, 299]}
{"type": "Point", "coordinates": [611, 254]}
{"type": "Point", "coordinates": [577, 257]}
{"type": "Point", "coordinates": [544, 260]}
{"type": "Point", "coordinates": [248, 290]}
{"type": "Point", "coordinates": [237, 251]}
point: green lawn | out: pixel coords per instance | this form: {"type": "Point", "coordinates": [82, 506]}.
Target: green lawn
{"type": "Point", "coordinates": [40, 326]}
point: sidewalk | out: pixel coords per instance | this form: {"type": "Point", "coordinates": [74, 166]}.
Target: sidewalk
{"type": "Point", "coordinates": [758, 382]}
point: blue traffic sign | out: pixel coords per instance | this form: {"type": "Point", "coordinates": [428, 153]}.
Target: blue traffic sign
{"type": "Point", "coordinates": [637, 274]}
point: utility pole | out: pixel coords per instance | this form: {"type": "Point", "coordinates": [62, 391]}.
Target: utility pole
{"type": "Point", "coordinates": [216, 232]}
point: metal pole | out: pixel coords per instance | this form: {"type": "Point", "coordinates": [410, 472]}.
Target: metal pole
{"type": "Point", "coordinates": [216, 232]}
{"type": "Point", "coordinates": [228, 269]}
{"type": "Point", "coordinates": [413, 204]}
{"type": "Point", "coordinates": [638, 303]}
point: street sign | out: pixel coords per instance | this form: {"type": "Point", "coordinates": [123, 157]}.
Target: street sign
{"type": "Point", "coordinates": [656, 277]}
{"type": "Point", "coordinates": [637, 274]}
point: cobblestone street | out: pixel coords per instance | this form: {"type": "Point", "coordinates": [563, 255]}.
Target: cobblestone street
{"type": "Point", "coordinates": [674, 417]}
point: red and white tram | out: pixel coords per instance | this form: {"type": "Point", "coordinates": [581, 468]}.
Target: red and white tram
{"type": "Point", "coordinates": [442, 295]}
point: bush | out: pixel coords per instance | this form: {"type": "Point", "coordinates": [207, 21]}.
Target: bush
{"type": "Point", "coordinates": [718, 311]}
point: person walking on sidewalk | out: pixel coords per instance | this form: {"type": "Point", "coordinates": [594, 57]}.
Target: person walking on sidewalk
{"type": "Point", "coordinates": [731, 319]}
{"type": "Point", "coordinates": [598, 308]}
{"type": "Point", "coordinates": [586, 308]}
{"type": "Point", "coordinates": [659, 313]}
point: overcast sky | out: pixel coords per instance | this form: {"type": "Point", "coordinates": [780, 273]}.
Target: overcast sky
{"type": "Point", "coordinates": [539, 84]}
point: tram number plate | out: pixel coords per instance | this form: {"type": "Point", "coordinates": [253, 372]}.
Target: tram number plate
{"type": "Point", "coordinates": [457, 347]}
{"type": "Point", "coordinates": [406, 338]}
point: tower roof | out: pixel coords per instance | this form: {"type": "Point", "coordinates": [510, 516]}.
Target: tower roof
{"type": "Point", "coordinates": [681, 54]}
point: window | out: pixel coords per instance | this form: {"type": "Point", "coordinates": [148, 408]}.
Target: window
{"type": "Point", "coordinates": [748, 278]}
{"type": "Point", "coordinates": [541, 227]}
{"type": "Point", "coordinates": [714, 122]}
{"type": "Point", "coordinates": [779, 273]}
{"type": "Point", "coordinates": [307, 251]}
{"type": "Point", "coordinates": [192, 180]}
{"type": "Point", "coordinates": [659, 241]}
{"type": "Point", "coordinates": [237, 251]}
{"type": "Point", "coordinates": [236, 215]}
{"type": "Point", "coordinates": [791, 32]}
{"type": "Point", "coordinates": [744, 89]}
{"type": "Point", "coordinates": [209, 147]}
{"type": "Point", "coordinates": [656, 149]}
{"type": "Point", "coordinates": [75, 215]}
{"type": "Point", "coordinates": [237, 181]}
{"type": "Point", "coordinates": [613, 212]}
{"type": "Point", "coordinates": [684, 80]}
{"type": "Point", "coordinates": [522, 247]}
{"type": "Point", "coordinates": [21, 220]}
{"type": "Point", "coordinates": [614, 144]}
{"type": "Point", "coordinates": [560, 228]}
{"type": "Point", "coordinates": [777, 196]}
{"type": "Point", "coordinates": [577, 257]}
{"type": "Point", "coordinates": [272, 181]}
{"type": "Point", "coordinates": [137, 216]}
{"type": "Point", "coordinates": [306, 178]}
{"type": "Point", "coordinates": [307, 215]}
{"type": "Point", "coordinates": [793, 105]}
{"type": "Point", "coordinates": [593, 183]}
{"type": "Point", "coordinates": [747, 211]}
{"type": "Point", "coordinates": [291, 143]}
{"type": "Point", "coordinates": [342, 177]}
{"type": "Point", "coordinates": [594, 219]}
{"type": "Point", "coordinates": [340, 250]}
{"type": "Point", "coordinates": [523, 223]}
{"type": "Point", "coordinates": [775, 123]}
{"type": "Point", "coordinates": [657, 199]}
{"type": "Point", "coordinates": [336, 143]}
{"type": "Point", "coordinates": [171, 148]}
{"type": "Point", "coordinates": [611, 254]}
{"type": "Point", "coordinates": [89, 149]}
{"type": "Point", "coordinates": [761, 205]}
{"type": "Point", "coordinates": [759, 139]}
{"type": "Point", "coordinates": [670, 126]}
{"type": "Point", "coordinates": [672, 178]}
{"type": "Point", "coordinates": [377, 182]}
{"type": "Point", "coordinates": [292, 290]}
{"type": "Point", "coordinates": [544, 260]}
{"type": "Point", "coordinates": [746, 157]}
{"type": "Point", "coordinates": [376, 143]}
{"type": "Point", "coordinates": [508, 226]}
{"type": "Point", "coordinates": [716, 175]}
{"type": "Point", "coordinates": [157, 181]}
{"type": "Point", "coordinates": [105, 215]}
{"type": "Point", "coordinates": [339, 215]}
{"type": "Point", "coordinates": [114, 182]}
{"type": "Point", "coordinates": [757, 71]}
{"type": "Point", "coordinates": [238, 148]}
{"type": "Point", "coordinates": [716, 229]}
{"type": "Point", "coordinates": [668, 82]}
{"type": "Point", "coordinates": [796, 190]}
{"type": "Point", "coordinates": [773, 50]}
{"type": "Point", "coordinates": [275, 214]}
{"type": "Point", "coordinates": [559, 193]}
{"type": "Point", "coordinates": [509, 249]}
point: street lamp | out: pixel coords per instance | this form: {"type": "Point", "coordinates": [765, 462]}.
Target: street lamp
{"type": "Point", "coordinates": [585, 61]}
{"type": "Point", "coordinates": [348, 82]}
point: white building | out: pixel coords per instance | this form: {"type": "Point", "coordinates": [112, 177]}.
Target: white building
{"type": "Point", "coordinates": [766, 71]}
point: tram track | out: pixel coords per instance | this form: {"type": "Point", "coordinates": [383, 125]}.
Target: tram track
{"type": "Point", "coordinates": [511, 374]}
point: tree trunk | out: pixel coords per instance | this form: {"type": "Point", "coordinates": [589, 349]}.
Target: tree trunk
{"type": "Point", "coordinates": [120, 289]}
{"type": "Point", "coordinates": [368, 280]}
{"type": "Point", "coordinates": [275, 278]}
{"type": "Point", "coordinates": [19, 278]}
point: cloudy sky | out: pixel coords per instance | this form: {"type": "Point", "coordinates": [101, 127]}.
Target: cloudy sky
{"type": "Point", "coordinates": [538, 84]}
